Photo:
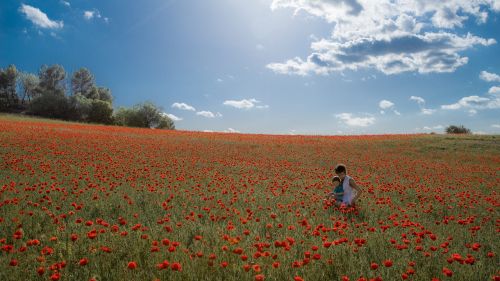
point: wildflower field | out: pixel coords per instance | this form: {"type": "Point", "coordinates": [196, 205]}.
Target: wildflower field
{"type": "Point", "coordinates": [91, 202]}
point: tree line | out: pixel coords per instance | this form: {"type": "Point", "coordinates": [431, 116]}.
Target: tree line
{"type": "Point", "coordinates": [45, 94]}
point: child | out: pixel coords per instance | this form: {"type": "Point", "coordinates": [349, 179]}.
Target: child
{"type": "Point", "coordinates": [351, 190]}
{"type": "Point", "coordinates": [338, 191]}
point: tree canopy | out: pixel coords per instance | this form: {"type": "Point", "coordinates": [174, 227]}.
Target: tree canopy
{"type": "Point", "coordinates": [45, 95]}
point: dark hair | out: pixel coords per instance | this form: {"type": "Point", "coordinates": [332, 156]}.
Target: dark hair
{"type": "Point", "coordinates": [336, 178]}
{"type": "Point", "coordinates": [340, 168]}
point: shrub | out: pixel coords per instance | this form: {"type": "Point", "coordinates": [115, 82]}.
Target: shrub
{"type": "Point", "coordinates": [452, 129]}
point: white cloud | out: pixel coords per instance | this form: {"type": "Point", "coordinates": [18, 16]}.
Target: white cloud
{"type": "Point", "coordinates": [173, 117]}
{"type": "Point", "coordinates": [88, 14]}
{"type": "Point", "coordinates": [183, 106]}
{"type": "Point", "coordinates": [494, 90]}
{"type": "Point", "coordinates": [421, 103]}
{"type": "Point", "coordinates": [259, 47]}
{"type": "Point", "coordinates": [386, 35]}
{"type": "Point", "coordinates": [208, 114]}
{"type": "Point", "coordinates": [428, 111]}
{"type": "Point", "coordinates": [65, 3]}
{"type": "Point", "coordinates": [245, 104]}
{"type": "Point", "coordinates": [429, 128]}
{"type": "Point", "coordinates": [385, 104]}
{"type": "Point", "coordinates": [419, 100]}
{"type": "Point", "coordinates": [497, 126]}
{"type": "Point", "coordinates": [490, 77]}
{"type": "Point", "coordinates": [474, 103]}
{"type": "Point", "coordinates": [231, 130]}
{"type": "Point", "coordinates": [350, 120]}
{"type": "Point", "coordinates": [39, 18]}
{"type": "Point", "coordinates": [219, 80]}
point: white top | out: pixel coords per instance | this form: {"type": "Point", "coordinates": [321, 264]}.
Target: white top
{"type": "Point", "coordinates": [348, 191]}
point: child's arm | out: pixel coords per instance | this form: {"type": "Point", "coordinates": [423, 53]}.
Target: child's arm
{"type": "Point", "coordinates": [358, 189]}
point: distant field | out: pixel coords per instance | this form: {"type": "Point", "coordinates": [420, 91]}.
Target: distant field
{"type": "Point", "coordinates": [92, 202]}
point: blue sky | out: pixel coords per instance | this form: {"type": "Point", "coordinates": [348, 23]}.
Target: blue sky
{"type": "Point", "coordinates": [276, 66]}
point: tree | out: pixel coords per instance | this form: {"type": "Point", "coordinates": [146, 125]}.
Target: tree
{"type": "Point", "coordinates": [8, 81]}
{"type": "Point", "coordinates": [145, 115]}
{"type": "Point", "coordinates": [82, 82]}
{"type": "Point", "coordinates": [166, 123]}
{"type": "Point", "coordinates": [51, 80]}
{"type": "Point", "coordinates": [452, 129]}
{"type": "Point", "coordinates": [80, 107]}
{"type": "Point", "coordinates": [100, 112]}
{"type": "Point", "coordinates": [52, 105]}
{"type": "Point", "coordinates": [105, 94]}
{"type": "Point", "coordinates": [28, 82]}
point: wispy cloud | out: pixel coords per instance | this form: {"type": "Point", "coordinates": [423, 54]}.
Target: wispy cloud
{"type": "Point", "coordinates": [391, 37]}
{"type": "Point", "coordinates": [39, 18]}
{"type": "Point", "coordinates": [245, 104]}
{"type": "Point", "coordinates": [350, 120]}
{"type": "Point", "coordinates": [183, 106]}
{"type": "Point", "coordinates": [421, 104]}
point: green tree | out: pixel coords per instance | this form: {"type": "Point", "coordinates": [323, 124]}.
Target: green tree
{"type": "Point", "coordinates": [82, 82]}
{"type": "Point", "coordinates": [28, 83]}
{"type": "Point", "coordinates": [166, 123]}
{"type": "Point", "coordinates": [105, 94]}
{"type": "Point", "coordinates": [8, 95]}
{"type": "Point", "coordinates": [80, 107]}
{"type": "Point", "coordinates": [100, 112]}
{"type": "Point", "coordinates": [51, 100]}
{"type": "Point", "coordinates": [144, 115]}
{"type": "Point", "coordinates": [51, 80]}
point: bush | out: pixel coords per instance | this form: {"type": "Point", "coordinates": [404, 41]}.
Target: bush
{"type": "Point", "coordinates": [457, 130]}
{"type": "Point", "coordinates": [145, 115]}
{"type": "Point", "coordinates": [52, 105]}
{"type": "Point", "coordinates": [100, 112]}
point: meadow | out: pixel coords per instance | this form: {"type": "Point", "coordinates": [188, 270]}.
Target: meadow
{"type": "Point", "coordinates": [93, 202]}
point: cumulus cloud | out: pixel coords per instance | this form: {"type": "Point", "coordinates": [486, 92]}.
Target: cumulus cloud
{"type": "Point", "coordinates": [183, 106]}
{"type": "Point", "coordinates": [208, 114]}
{"type": "Point", "coordinates": [65, 3]}
{"type": "Point", "coordinates": [350, 120]}
{"type": "Point", "coordinates": [494, 91]}
{"type": "Point", "coordinates": [475, 103]}
{"type": "Point", "coordinates": [173, 117]}
{"type": "Point", "coordinates": [245, 104]}
{"type": "Point", "coordinates": [387, 105]}
{"type": "Point", "coordinates": [39, 18]}
{"type": "Point", "coordinates": [490, 77]}
{"type": "Point", "coordinates": [387, 35]}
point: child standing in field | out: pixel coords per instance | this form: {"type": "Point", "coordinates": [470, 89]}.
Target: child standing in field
{"type": "Point", "coordinates": [351, 190]}
{"type": "Point", "coordinates": [337, 192]}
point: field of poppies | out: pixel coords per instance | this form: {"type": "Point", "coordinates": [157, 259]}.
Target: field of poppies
{"type": "Point", "coordinates": [91, 202]}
